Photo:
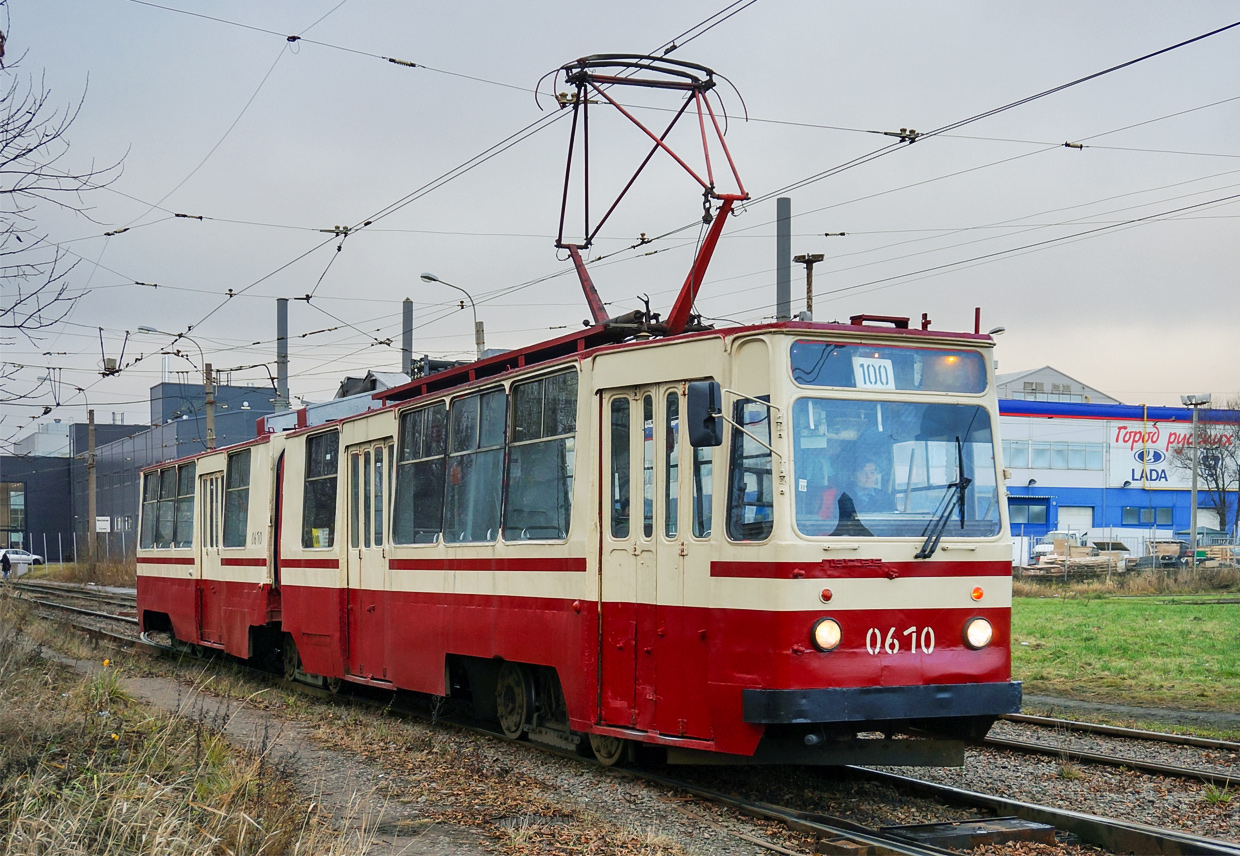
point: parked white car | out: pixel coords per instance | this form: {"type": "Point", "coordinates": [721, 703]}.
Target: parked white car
{"type": "Point", "coordinates": [22, 557]}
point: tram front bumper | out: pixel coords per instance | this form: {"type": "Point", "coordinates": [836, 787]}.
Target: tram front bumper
{"type": "Point", "coordinates": [863, 704]}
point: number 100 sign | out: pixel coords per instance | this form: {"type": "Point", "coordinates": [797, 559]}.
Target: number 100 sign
{"type": "Point", "coordinates": [870, 373]}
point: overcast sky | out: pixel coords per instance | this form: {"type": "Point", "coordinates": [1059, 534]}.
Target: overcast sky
{"type": "Point", "coordinates": [1126, 280]}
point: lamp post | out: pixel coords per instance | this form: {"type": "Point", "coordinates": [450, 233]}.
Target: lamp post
{"type": "Point", "coordinates": [1196, 402]}
{"type": "Point", "coordinates": [479, 336]}
{"type": "Point", "coordinates": [207, 385]}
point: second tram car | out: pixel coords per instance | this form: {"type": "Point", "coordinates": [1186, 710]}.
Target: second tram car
{"type": "Point", "coordinates": [538, 531]}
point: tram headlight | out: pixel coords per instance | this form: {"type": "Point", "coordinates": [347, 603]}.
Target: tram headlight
{"type": "Point", "coordinates": [978, 633]}
{"type": "Point", "coordinates": [826, 634]}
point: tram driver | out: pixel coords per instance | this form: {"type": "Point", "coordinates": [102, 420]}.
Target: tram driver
{"type": "Point", "coordinates": [867, 490]}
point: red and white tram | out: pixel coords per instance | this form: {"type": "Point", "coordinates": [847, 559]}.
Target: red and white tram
{"type": "Point", "coordinates": [538, 530]}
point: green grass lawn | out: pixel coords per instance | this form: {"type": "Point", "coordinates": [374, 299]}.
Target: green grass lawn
{"type": "Point", "coordinates": [1153, 652]}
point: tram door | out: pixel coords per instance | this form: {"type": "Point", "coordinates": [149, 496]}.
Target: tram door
{"type": "Point", "coordinates": [211, 527]}
{"type": "Point", "coordinates": [646, 679]}
{"type": "Point", "coordinates": [368, 467]}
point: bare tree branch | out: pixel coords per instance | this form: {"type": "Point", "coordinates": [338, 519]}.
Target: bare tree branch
{"type": "Point", "coordinates": [35, 292]}
{"type": "Point", "coordinates": [1218, 462]}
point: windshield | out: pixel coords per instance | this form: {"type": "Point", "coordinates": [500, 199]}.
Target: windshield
{"type": "Point", "coordinates": [891, 367]}
{"type": "Point", "coordinates": [885, 469]}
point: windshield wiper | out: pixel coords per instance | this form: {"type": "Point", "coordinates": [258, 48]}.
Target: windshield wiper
{"type": "Point", "coordinates": [953, 499]}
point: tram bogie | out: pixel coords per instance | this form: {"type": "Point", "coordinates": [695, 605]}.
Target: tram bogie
{"type": "Point", "coordinates": [536, 532]}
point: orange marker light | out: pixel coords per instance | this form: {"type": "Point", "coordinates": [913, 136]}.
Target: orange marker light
{"type": "Point", "coordinates": [977, 593]}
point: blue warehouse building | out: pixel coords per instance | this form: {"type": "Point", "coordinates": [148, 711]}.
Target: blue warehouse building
{"type": "Point", "coordinates": [1102, 468]}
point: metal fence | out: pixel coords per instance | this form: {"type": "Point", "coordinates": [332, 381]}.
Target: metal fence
{"type": "Point", "coordinates": [68, 547]}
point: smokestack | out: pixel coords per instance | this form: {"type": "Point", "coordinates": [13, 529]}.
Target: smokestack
{"type": "Point", "coordinates": [783, 258]}
{"type": "Point", "coordinates": [406, 337]}
{"type": "Point", "coordinates": [281, 354]}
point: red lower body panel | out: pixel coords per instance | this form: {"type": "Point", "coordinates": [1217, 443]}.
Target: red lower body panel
{"type": "Point", "coordinates": [674, 672]}
{"type": "Point", "coordinates": [216, 613]}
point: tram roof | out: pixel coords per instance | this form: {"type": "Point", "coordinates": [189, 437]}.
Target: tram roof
{"type": "Point", "coordinates": [601, 336]}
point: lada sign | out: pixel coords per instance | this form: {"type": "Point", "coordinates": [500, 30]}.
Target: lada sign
{"type": "Point", "coordinates": [1148, 461]}
{"type": "Point", "coordinates": [1148, 451]}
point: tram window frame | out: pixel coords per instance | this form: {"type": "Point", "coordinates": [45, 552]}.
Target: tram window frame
{"type": "Point", "coordinates": [378, 478]}
{"type": "Point", "coordinates": [355, 479]}
{"type": "Point", "coordinates": [150, 509]}
{"type": "Point", "coordinates": [367, 499]}
{"type": "Point", "coordinates": [702, 501]}
{"type": "Point", "coordinates": [183, 526]}
{"type": "Point", "coordinates": [319, 492]}
{"type": "Point", "coordinates": [474, 489]}
{"type": "Point", "coordinates": [620, 490]}
{"type": "Point", "coordinates": [820, 363]}
{"type": "Point", "coordinates": [165, 519]}
{"type": "Point", "coordinates": [671, 464]}
{"type": "Point", "coordinates": [647, 466]}
{"type": "Point", "coordinates": [746, 458]}
{"type": "Point", "coordinates": [237, 499]}
{"type": "Point", "coordinates": [213, 484]}
{"type": "Point", "coordinates": [417, 507]}
{"type": "Point", "coordinates": [538, 497]}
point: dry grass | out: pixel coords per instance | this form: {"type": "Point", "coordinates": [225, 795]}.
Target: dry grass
{"type": "Point", "coordinates": [85, 769]}
{"type": "Point", "coordinates": [1208, 579]}
{"type": "Point", "coordinates": [118, 572]}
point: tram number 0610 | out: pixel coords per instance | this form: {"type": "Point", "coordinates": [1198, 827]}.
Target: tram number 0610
{"type": "Point", "coordinates": [878, 643]}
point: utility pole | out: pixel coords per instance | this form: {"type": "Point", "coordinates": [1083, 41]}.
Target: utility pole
{"type": "Point", "coordinates": [1196, 402]}
{"type": "Point", "coordinates": [783, 258]}
{"type": "Point", "coordinates": [281, 402]}
{"type": "Point", "coordinates": [209, 389]}
{"type": "Point", "coordinates": [406, 337]}
{"type": "Point", "coordinates": [809, 260]}
{"type": "Point", "coordinates": [91, 510]}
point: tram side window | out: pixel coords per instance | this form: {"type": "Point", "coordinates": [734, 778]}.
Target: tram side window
{"type": "Point", "coordinates": [318, 515]}
{"type": "Point", "coordinates": [166, 519]}
{"type": "Point", "coordinates": [620, 467]}
{"type": "Point", "coordinates": [417, 517]}
{"type": "Point", "coordinates": [474, 487]}
{"type": "Point", "coordinates": [751, 490]}
{"type": "Point", "coordinates": [647, 466]}
{"type": "Point", "coordinates": [671, 466]}
{"type": "Point", "coordinates": [237, 499]}
{"type": "Point", "coordinates": [703, 490]}
{"type": "Point", "coordinates": [183, 534]}
{"type": "Point", "coordinates": [212, 486]}
{"type": "Point", "coordinates": [541, 458]}
{"type": "Point", "coordinates": [150, 509]}
{"type": "Point", "coordinates": [354, 496]}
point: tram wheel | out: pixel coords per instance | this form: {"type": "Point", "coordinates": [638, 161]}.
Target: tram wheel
{"type": "Point", "coordinates": [514, 699]}
{"type": "Point", "coordinates": [333, 685]}
{"type": "Point", "coordinates": [607, 749]}
{"type": "Point", "coordinates": [292, 659]}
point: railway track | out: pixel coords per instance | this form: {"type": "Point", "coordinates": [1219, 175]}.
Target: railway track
{"type": "Point", "coordinates": [1112, 834]}
{"type": "Point", "coordinates": [834, 834]}
{"type": "Point", "coordinates": [120, 600]}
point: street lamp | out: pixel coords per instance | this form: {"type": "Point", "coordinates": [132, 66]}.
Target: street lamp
{"type": "Point", "coordinates": [1196, 402]}
{"type": "Point", "coordinates": [479, 336]}
{"type": "Point", "coordinates": [207, 385]}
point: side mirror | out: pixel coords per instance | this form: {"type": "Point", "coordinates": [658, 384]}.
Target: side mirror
{"type": "Point", "coordinates": [703, 408]}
